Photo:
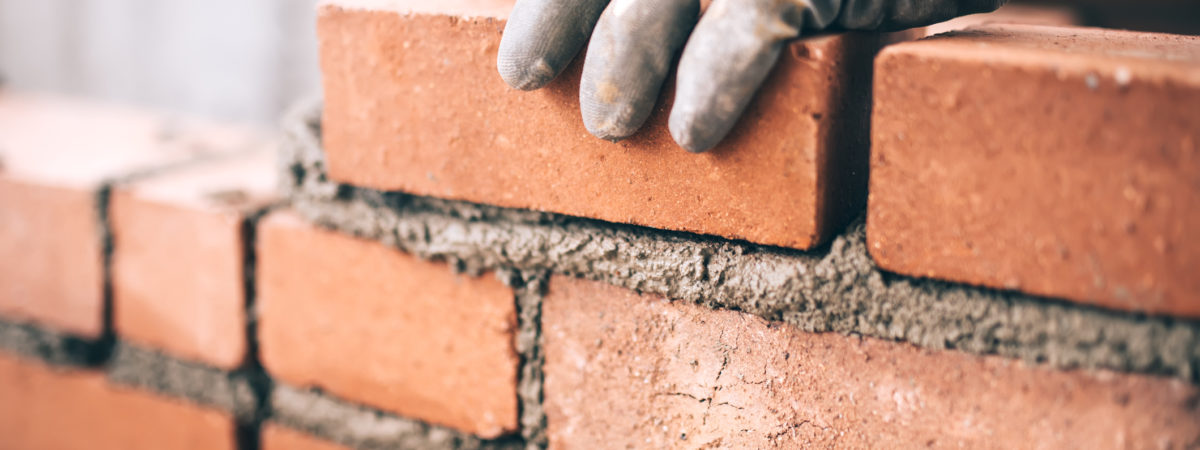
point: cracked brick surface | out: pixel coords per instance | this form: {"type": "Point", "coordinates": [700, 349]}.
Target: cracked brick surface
{"type": "Point", "coordinates": [639, 371]}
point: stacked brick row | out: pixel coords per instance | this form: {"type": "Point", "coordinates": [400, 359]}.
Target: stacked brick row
{"type": "Point", "coordinates": [473, 270]}
{"type": "Point", "coordinates": [121, 228]}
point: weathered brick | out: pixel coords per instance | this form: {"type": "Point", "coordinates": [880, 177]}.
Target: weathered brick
{"type": "Point", "coordinates": [375, 326]}
{"type": "Point", "coordinates": [413, 103]}
{"type": "Point", "coordinates": [278, 437]}
{"type": "Point", "coordinates": [1058, 161]}
{"type": "Point", "coordinates": [637, 371]}
{"type": "Point", "coordinates": [47, 408]}
{"type": "Point", "coordinates": [178, 256]}
{"type": "Point", "coordinates": [56, 155]}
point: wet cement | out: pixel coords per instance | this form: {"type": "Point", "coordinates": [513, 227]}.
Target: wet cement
{"type": "Point", "coordinates": [529, 347]}
{"type": "Point", "coordinates": [142, 368]}
{"type": "Point", "coordinates": [351, 425]}
{"type": "Point", "coordinates": [833, 289]}
{"type": "Point", "coordinates": [52, 347]}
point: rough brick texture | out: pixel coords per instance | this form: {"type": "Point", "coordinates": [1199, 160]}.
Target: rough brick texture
{"type": "Point", "coordinates": [624, 370]}
{"type": "Point", "coordinates": [276, 437]}
{"type": "Point", "coordinates": [178, 257]}
{"type": "Point", "coordinates": [45, 408]}
{"type": "Point", "coordinates": [1058, 161]}
{"type": "Point", "coordinates": [56, 156]}
{"type": "Point", "coordinates": [1023, 13]}
{"type": "Point", "coordinates": [413, 103]}
{"type": "Point", "coordinates": [382, 328]}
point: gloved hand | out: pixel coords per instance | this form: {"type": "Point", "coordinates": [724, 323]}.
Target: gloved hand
{"type": "Point", "coordinates": [728, 54]}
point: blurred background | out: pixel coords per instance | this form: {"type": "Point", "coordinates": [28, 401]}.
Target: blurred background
{"type": "Point", "coordinates": [238, 60]}
{"type": "Point", "coordinates": [247, 60]}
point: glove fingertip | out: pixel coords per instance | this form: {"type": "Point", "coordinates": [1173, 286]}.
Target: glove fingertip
{"type": "Point", "coordinates": [688, 136]}
{"type": "Point", "coordinates": [608, 131]}
{"type": "Point", "coordinates": [534, 74]}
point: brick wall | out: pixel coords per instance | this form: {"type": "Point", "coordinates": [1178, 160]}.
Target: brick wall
{"type": "Point", "coordinates": [1017, 272]}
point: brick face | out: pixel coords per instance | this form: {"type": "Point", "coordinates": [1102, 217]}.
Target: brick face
{"type": "Point", "coordinates": [45, 408]}
{"type": "Point", "coordinates": [413, 102]}
{"type": "Point", "coordinates": [178, 257]}
{"type": "Point", "coordinates": [1063, 164]}
{"type": "Point", "coordinates": [382, 328]}
{"type": "Point", "coordinates": [629, 370]}
{"type": "Point", "coordinates": [277, 437]}
{"type": "Point", "coordinates": [55, 156]}
{"type": "Point", "coordinates": [51, 261]}
{"type": "Point", "coordinates": [1024, 13]}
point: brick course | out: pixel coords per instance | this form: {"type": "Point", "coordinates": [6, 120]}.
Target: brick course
{"type": "Point", "coordinates": [629, 370]}
{"type": "Point", "coordinates": [47, 408]}
{"type": "Point", "coordinates": [413, 102]}
{"type": "Point", "coordinates": [178, 257]}
{"type": "Point", "coordinates": [57, 156]}
{"type": "Point", "coordinates": [1058, 161]}
{"type": "Point", "coordinates": [378, 327]}
{"type": "Point", "coordinates": [493, 327]}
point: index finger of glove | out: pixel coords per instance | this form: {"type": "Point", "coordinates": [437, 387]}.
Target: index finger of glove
{"type": "Point", "coordinates": [542, 37]}
{"type": "Point", "coordinates": [727, 58]}
{"type": "Point", "coordinates": [628, 58]}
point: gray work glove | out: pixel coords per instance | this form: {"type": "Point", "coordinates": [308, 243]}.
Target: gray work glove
{"type": "Point", "coordinates": [728, 54]}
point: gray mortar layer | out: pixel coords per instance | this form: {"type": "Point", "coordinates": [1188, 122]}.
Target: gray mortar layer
{"type": "Point", "coordinates": [355, 426]}
{"type": "Point", "coordinates": [835, 289]}
{"type": "Point", "coordinates": [529, 294]}
{"type": "Point", "coordinates": [201, 384]}
{"type": "Point", "coordinates": [52, 347]}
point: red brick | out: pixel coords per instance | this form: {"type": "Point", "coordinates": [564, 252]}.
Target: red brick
{"type": "Point", "coordinates": [46, 408]}
{"type": "Point", "coordinates": [276, 437]}
{"type": "Point", "coordinates": [1058, 161]}
{"type": "Point", "coordinates": [178, 275]}
{"type": "Point", "coordinates": [51, 262]}
{"type": "Point", "coordinates": [1023, 13]}
{"type": "Point", "coordinates": [382, 328]}
{"type": "Point", "coordinates": [638, 371]}
{"type": "Point", "coordinates": [55, 155]}
{"type": "Point", "coordinates": [413, 103]}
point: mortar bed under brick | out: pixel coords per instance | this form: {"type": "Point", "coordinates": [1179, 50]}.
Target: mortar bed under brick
{"type": "Point", "coordinates": [836, 289]}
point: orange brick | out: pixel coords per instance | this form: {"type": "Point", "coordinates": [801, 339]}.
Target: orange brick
{"type": "Point", "coordinates": [277, 437]}
{"type": "Point", "coordinates": [1025, 13]}
{"type": "Point", "coordinates": [51, 260]}
{"type": "Point", "coordinates": [55, 155]}
{"type": "Point", "coordinates": [178, 257]}
{"type": "Point", "coordinates": [413, 103]}
{"type": "Point", "coordinates": [46, 408]}
{"type": "Point", "coordinates": [382, 328]}
{"type": "Point", "coordinates": [638, 371]}
{"type": "Point", "coordinates": [1058, 161]}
